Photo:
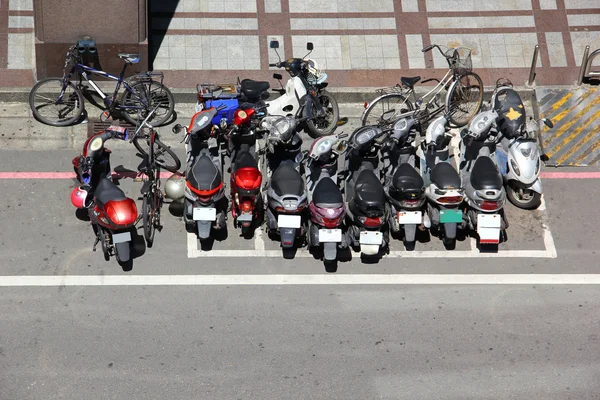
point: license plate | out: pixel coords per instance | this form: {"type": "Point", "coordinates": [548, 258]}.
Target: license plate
{"type": "Point", "coordinates": [245, 217]}
{"type": "Point", "coordinates": [289, 221]}
{"type": "Point", "coordinates": [205, 214]}
{"type": "Point", "coordinates": [488, 228]}
{"type": "Point", "coordinates": [330, 235]}
{"type": "Point", "coordinates": [450, 216]}
{"type": "Point", "coordinates": [410, 217]}
{"type": "Point", "coordinates": [121, 237]}
{"type": "Point", "coordinates": [371, 238]}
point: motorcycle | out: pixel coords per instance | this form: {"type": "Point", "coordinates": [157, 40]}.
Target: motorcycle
{"type": "Point", "coordinates": [367, 209]}
{"type": "Point", "coordinates": [485, 194]}
{"type": "Point", "coordinates": [443, 188]}
{"type": "Point", "coordinates": [246, 177]}
{"type": "Point", "coordinates": [112, 214]}
{"type": "Point", "coordinates": [286, 196]}
{"type": "Point", "coordinates": [304, 94]}
{"type": "Point", "coordinates": [404, 186]}
{"type": "Point", "coordinates": [326, 203]}
{"type": "Point", "coordinates": [205, 203]}
{"type": "Point", "coordinates": [518, 154]}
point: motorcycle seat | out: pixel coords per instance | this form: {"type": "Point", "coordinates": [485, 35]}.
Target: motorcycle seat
{"type": "Point", "coordinates": [204, 175]}
{"type": "Point", "coordinates": [407, 179]}
{"type": "Point", "coordinates": [327, 194]}
{"type": "Point", "coordinates": [107, 191]}
{"type": "Point", "coordinates": [244, 160]}
{"type": "Point", "coordinates": [444, 176]}
{"type": "Point", "coordinates": [369, 190]}
{"type": "Point", "coordinates": [410, 82]}
{"type": "Point", "coordinates": [253, 89]}
{"type": "Point", "coordinates": [287, 181]}
{"type": "Point", "coordinates": [485, 175]}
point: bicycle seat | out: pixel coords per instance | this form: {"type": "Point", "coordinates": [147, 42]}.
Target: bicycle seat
{"type": "Point", "coordinates": [129, 57]}
{"type": "Point", "coordinates": [410, 82]}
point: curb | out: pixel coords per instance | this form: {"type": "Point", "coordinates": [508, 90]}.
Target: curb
{"type": "Point", "coordinates": [342, 95]}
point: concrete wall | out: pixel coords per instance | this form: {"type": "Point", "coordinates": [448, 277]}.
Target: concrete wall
{"type": "Point", "coordinates": [116, 25]}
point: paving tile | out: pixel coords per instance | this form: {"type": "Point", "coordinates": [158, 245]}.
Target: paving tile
{"type": "Point", "coordinates": [556, 49]}
{"type": "Point", "coordinates": [410, 5]}
{"type": "Point", "coordinates": [548, 4]}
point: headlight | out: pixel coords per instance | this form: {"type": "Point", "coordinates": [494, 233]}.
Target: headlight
{"type": "Point", "coordinates": [283, 127]}
{"type": "Point", "coordinates": [515, 168]}
{"type": "Point", "coordinates": [96, 144]}
{"type": "Point", "coordinates": [526, 152]}
{"type": "Point", "coordinates": [537, 166]}
{"type": "Point", "coordinates": [400, 125]}
{"type": "Point", "coordinates": [324, 147]}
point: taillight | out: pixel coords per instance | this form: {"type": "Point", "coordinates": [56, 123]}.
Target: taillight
{"type": "Point", "coordinates": [450, 199]}
{"type": "Point", "coordinates": [366, 104]}
{"type": "Point", "coordinates": [247, 205]}
{"type": "Point", "coordinates": [372, 222]}
{"type": "Point", "coordinates": [489, 205]}
{"type": "Point", "coordinates": [409, 203]}
{"type": "Point", "coordinates": [328, 222]}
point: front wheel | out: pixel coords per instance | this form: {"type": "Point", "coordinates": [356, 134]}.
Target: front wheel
{"type": "Point", "coordinates": [51, 106]}
{"type": "Point", "coordinates": [323, 125]}
{"type": "Point", "coordinates": [143, 97]}
{"type": "Point", "coordinates": [464, 99]}
{"type": "Point", "coordinates": [521, 197]}
{"type": "Point", "coordinates": [163, 155]}
{"type": "Point", "coordinates": [150, 213]}
{"type": "Point", "coordinates": [385, 109]}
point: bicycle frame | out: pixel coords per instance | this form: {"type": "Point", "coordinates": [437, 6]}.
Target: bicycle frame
{"type": "Point", "coordinates": [443, 83]}
{"type": "Point", "coordinates": [83, 70]}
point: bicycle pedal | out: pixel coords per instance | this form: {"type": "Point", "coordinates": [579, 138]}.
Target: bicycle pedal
{"type": "Point", "coordinates": [105, 116]}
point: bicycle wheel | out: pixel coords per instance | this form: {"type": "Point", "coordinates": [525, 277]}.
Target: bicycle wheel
{"type": "Point", "coordinates": [149, 214]}
{"type": "Point", "coordinates": [385, 109]}
{"type": "Point", "coordinates": [46, 108]}
{"type": "Point", "coordinates": [326, 124]}
{"type": "Point", "coordinates": [163, 155]}
{"type": "Point", "coordinates": [152, 93]}
{"type": "Point", "coordinates": [465, 98]}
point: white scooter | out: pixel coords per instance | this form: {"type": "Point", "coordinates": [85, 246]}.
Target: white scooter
{"type": "Point", "coordinates": [518, 154]}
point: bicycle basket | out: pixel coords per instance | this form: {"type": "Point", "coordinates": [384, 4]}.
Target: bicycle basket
{"type": "Point", "coordinates": [459, 60]}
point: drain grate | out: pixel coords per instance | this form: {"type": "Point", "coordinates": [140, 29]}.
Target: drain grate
{"type": "Point", "coordinates": [96, 126]}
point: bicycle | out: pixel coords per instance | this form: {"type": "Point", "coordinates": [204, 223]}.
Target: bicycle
{"type": "Point", "coordinates": [152, 194]}
{"type": "Point", "coordinates": [65, 102]}
{"type": "Point", "coordinates": [464, 93]}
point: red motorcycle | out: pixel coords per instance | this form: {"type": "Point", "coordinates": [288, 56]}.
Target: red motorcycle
{"type": "Point", "coordinates": [246, 178]}
{"type": "Point", "coordinates": [112, 214]}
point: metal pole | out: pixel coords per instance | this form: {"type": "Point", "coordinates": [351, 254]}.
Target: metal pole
{"type": "Point", "coordinates": [536, 50]}
{"type": "Point", "coordinates": [586, 52]}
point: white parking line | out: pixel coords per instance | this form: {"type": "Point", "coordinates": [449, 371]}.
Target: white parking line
{"type": "Point", "coordinates": [321, 279]}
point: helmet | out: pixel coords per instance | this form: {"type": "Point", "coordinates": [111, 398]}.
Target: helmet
{"type": "Point", "coordinates": [283, 129]}
{"type": "Point", "coordinates": [511, 113]}
{"type": "Point", "coordinates": [175, 187]}
{"type": "Point", "coordinates": [79, 196]}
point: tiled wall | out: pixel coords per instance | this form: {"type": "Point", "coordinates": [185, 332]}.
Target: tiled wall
{"type": "Point", "coordinates": [379, 39]}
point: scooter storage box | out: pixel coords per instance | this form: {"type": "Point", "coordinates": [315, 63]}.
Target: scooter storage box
{"type": "Point", "coordinates": [227, 113]}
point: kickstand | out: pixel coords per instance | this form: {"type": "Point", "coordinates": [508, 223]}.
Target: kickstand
{"type": "Point", "coordinates": [96, 243]}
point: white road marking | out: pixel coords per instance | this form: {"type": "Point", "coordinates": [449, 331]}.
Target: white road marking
{"type": "Point", "coordinates": [315, 279]}
{"type": "Point", "coordinates": [548, 239]}
{"type": "Point", "coordinates": [192, 245]}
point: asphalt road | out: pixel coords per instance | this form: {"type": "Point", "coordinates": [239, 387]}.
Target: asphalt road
{"type": "Point", "coordinates": [289, 341]}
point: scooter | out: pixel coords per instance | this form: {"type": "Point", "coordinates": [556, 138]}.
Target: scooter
{"type": "Point", "coordinates": [443, 187]}
{"type": "Point", "coordinates": [326, 203]}
{"type": "Point", "coordinates": [205, 203]}
{"type": "Point", "coordinates": [518, 154]}
{"type": "Point", "coordinates": [285, 191]}
{"type": "Point", "coordinates": [112, 214]}
{"type": "Point", "coordinates": [367, 209]}
{"type": "Point", "coordinates": [246, 177]}
{"type": "Point", "coordinates": [404, 187]}
{"type": "Point", "coordinates": [485, 195]}
{"type": "Point", "coordinates": [303, 94]}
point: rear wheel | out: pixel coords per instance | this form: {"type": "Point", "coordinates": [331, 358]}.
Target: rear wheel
{"type": "Point", "coordinates": [385, 109]}
{"type": "Point", "coordinates": [465, 98]}
{"type": "Point", "coordinates": [152, 93]}
{"type": "Point", "coordinates": [163, 155]}
{"type": "Point", "coordinates": [48, 109]}
{"type": "Point", "coordinates": [149, 213]}
{"type": "Point", "coordinates": [326, 124]}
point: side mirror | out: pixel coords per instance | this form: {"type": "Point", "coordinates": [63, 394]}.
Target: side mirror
{"type": "Point", "coordinates": [309, 46]}
{"type": "Point", "coordinates": [278, 76]}
{"type": "Point", "coordinates": [177, 128]}
{"type": "Point", "coordinates": [274, 44]}
{"type": "Point", "coordinates": [548, 123]}
{"type": "Point", "coordinates": [544, 157]}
